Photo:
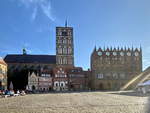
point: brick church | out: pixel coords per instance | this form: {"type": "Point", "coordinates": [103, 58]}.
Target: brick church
{"type": "Point", "coordinates": [110, 68]}
{"type": "Point", "coordinates": [26, 71]}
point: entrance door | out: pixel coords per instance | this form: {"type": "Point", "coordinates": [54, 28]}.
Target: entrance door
{"type": "Point", "coordinates": [33, 87]}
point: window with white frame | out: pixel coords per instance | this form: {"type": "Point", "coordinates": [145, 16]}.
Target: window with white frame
{"type": "Point", "coordinates": [62, 84]}
{"type": "Point", "coordinates": [100, 76]}
{"type": "Point", "coordinates": [56, 84]}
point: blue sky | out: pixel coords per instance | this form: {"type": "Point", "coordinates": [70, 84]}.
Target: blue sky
{"type": "Point", "coordinates": [31, 24]}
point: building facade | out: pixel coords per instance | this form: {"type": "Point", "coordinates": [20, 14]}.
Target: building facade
{"type": "Point", "coordinates": [64, 46]}
{"type": "Point", "coordinates": [78, 79]}
{"type": "Point", "coordinates": [40, 82]}
{"type": "Point", "coordinates": [19, 65]}
{"type": "Point", "coordinates": [3, 75]}
{"type": "Point", "coordinates": [113, 68]}
{"type": "Point", "coordinates": [60, 79]}
{"type": "Point", "coordinates": [46, 80]}
{"type": "Point", "coordinates": [33, 82]}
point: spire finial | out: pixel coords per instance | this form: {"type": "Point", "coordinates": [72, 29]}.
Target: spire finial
{"type": "Point", "coordinates": [66, 23]}
{"type": "Point", "coordinates": [94, 49]}
{"type": "Point", "coordinates": [140, 47]}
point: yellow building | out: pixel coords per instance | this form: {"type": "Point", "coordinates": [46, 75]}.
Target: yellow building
{"type": "Point", "coordinates": [3, 75]}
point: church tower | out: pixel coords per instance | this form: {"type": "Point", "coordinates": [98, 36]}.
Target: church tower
{"type": "Point", "coordinates": [64, 46]}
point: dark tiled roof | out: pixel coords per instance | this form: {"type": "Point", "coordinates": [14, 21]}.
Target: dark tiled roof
{"type": "Point", "coordinates": [43, 59]}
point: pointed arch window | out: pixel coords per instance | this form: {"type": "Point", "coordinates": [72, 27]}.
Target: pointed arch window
{"type": "Point", "coordinates": [69, 50]}
{"type": "Point", "coordinates": [60, 60]}
{"type": "Point", "coordinates": [59, 41]}
{"type": "Point", "coordinates": [69, 41]}
{"type": "Point", "coordinates": [64, 50]}
{"type": "Point", "coordinates": [64, 41]}
{"type": "Point", "coordinates": [59, 50]}
{"type": "Point", "coordinates": [70, 61]}
{"type": "Point", "coordinates": [64, 60]}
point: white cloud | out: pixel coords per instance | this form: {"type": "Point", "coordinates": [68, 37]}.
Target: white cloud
{"type": "Point", "coordinates": [34, 14]}
{"type": "Point", "coordinates": [43, 5]}
{"type": "Point", "coordinates": [46, 10]}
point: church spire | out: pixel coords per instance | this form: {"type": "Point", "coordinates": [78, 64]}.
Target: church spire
{"type": "Point", "coordinates": [140, 48]}
{"type": "Point", "coordinates": [66, 23]}
{"type": "Point", "coordinates": [94, 49]}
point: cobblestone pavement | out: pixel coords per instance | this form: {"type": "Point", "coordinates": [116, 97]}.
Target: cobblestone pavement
{"type": "Point", "coordinates": [86, 102]}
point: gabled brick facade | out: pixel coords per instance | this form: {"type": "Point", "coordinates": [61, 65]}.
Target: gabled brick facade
{"type": "Point", "coordinates": [112, 68]}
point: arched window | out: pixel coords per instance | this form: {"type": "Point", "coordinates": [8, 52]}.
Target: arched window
{"type": "Point", "coordinates": [69, 50]}
{"type": "Point", "coordinates": [59, 50]}
{"type": "Point", "coordinates": [60, 60]}
{"type": "Point", "coordinates": [62, 84]}
{"type": "Point", "coordinates": [59, 41]}
{"type": "Point", "coordinates": [69, 33]}
{"type": "Point", "coordinates": [64, 60]}
{"type": "Point", "coordinates": [69, 41]}
{"type": "Point", "coordinates": [70, 61]}
{"type": "Point", "coordinates": [65, 50]}
{"type": "Point", "coordinates": [64, 41]}
{"type": "Point", "coordinates": [56, 84]}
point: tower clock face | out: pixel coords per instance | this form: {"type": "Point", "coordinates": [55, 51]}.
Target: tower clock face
{"type": "Point", "coordinates": [122, 54]}
{"type": "Point", "coordinates": [114, 53]}
{"type": "Point", "coordinates": [136, 54]}
{"type": "Point", "coordinates": [107, 53]}
{"type": "Point", "coordinates": [128, 53]}
{"type": "Point", "coordinates": [100, 53]}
